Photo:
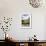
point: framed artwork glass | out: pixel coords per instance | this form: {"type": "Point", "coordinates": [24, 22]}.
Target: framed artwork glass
{"type": "Point", "coordinates": [26, 20]}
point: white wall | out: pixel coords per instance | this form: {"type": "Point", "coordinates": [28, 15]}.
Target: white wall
{"type": "Point", "coordinates": [13, 8]}
{"type": "Point", "coordinates": [45, 28]}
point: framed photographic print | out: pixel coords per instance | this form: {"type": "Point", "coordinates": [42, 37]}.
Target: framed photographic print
{"type": "Point", "coordinates": [26, 20]}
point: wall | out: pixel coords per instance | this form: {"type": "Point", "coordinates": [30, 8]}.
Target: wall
{"type": "Point", "coordinates": [45, 28]}
{"type": "Point", "coordinates": [13, 8]}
